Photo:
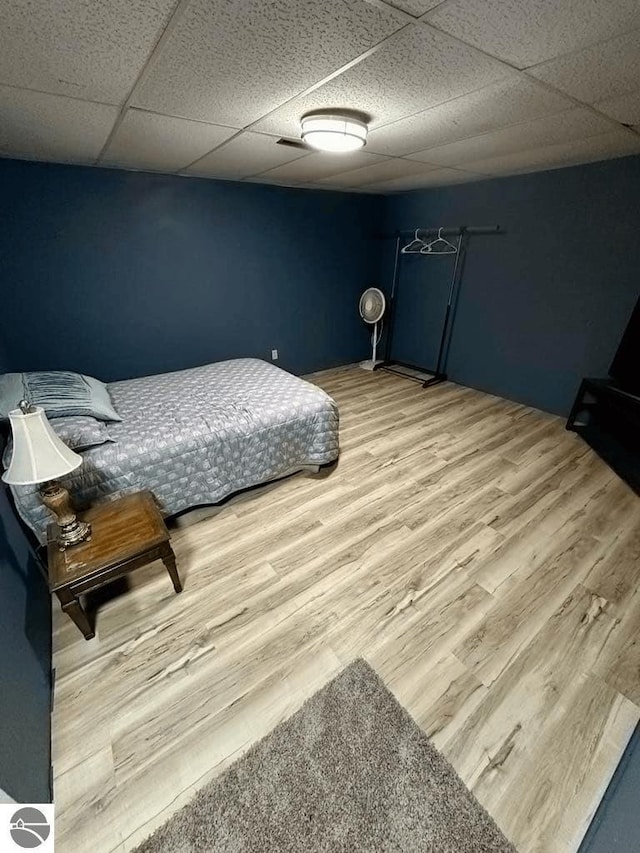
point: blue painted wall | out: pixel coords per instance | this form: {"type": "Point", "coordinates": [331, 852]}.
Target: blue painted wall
{"type": "Point", "coordinates": [25, 660]}
{"type": "Point", "coordinates": [119, 274]}
{"type": "Point", "coordinates": [25, 666]}
{"type": "Point", "coordinates": [542, 305]}
{"type": "Point", "coordinates": [616, 825]}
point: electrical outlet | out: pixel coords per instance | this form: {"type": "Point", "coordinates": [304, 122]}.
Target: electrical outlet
{"type": "Point", "coordinates": [274, 355]}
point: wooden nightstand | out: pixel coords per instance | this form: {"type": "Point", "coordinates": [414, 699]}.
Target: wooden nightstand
{"type": "Point", "coordinates": [127, 533]}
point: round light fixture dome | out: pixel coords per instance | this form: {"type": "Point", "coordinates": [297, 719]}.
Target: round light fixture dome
{"type": "Point", "coordinates": [333, 131]}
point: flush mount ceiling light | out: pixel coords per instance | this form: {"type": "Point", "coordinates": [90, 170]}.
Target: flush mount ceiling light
{"type": "Point", "coordinates": [337, 132]}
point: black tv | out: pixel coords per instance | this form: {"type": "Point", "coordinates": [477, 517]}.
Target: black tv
{"type": "Point", "coordinates": [625, 367]}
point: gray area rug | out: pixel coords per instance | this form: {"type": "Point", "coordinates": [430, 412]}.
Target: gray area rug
{"type": "Point", "coordinates": [350, 771]}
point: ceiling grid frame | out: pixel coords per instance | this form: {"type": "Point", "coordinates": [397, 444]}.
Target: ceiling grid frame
{"type": "Point", "coordinates": [620, 130]}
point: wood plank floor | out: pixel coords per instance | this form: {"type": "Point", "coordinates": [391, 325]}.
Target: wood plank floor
{"type": "Point", "coordinates": [482, 559]}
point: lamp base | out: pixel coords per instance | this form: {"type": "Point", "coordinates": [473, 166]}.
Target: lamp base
{"type": "Point", "coordinates": [71, 531]}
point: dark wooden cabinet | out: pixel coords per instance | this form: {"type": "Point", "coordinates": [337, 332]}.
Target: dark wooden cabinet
{"type": "Point", "coordinates": [608, 418]}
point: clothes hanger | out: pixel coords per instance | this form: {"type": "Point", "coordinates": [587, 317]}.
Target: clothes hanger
{"type": "Point", "coordinates": [415, 246]}
{"type": "Point", "coordinates": [447, 247]}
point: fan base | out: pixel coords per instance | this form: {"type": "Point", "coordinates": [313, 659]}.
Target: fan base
{"type": "Point", "coordinates": [369, 364]}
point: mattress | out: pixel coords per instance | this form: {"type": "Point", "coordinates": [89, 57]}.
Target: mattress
{"type": "Point", "coordinates": [196, 436]}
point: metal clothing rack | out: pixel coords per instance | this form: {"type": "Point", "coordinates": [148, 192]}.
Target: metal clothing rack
{"type": "Point", "coordinates": [463, 232]}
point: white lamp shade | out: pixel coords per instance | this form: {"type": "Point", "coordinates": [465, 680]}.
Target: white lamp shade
{"type": "Point", "coordinates": [336, 133]}
{"type": "Point", "coordinates": [38, 454]}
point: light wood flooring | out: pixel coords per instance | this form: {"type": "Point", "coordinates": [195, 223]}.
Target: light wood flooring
{"type": "Point", "coordinates": [482, 559]}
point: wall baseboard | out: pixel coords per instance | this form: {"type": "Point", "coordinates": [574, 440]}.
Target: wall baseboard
{"type": "Point", "coordinates": [330, 370]}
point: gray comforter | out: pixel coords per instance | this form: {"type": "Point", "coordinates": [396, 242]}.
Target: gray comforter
{"type": "Point", "coordinates": [195, 436]}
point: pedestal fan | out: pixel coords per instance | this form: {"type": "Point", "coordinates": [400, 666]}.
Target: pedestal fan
{"type": "Point", "coordinates": [372, 305]}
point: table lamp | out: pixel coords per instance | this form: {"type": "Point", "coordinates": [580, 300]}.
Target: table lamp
{"type": "Point", "coordinates": [39, 456]}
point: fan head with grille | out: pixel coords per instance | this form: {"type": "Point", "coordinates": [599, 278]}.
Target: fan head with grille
{"type": "Point", "coordinates": [372, 305]}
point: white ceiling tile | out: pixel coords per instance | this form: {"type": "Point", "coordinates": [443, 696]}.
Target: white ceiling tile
{"type": "Point", "coordinates": [498, 105]}
{"type": "Point", "coordinates": [313, 167]}
{"type": "Point", "coordinates": [442, 105]}
{"type": "Point", "coordinates": [151, 141]}
{"type": "Point", "coordinates": [245, 156]}
{"type": "Point", "coordinates": [436, 178]}
{"type": "Point", "coordinates": [625, 109]}
{"type": "Point", "coordinates": [384, 171]}
{"type": "Point", "coordinates": [606, 146]}
{"type": "Point", "coordinates": [230, 63]}
{"type": "Point", "coordinates": [549, 130]}
{"type": "Point", "coordinates": [606, 70]}
{"type": "Point", "coordinates": [83, 48]}
{"type": "Point", "coordinates": [51, 127]}
{"type": "Point", "coordinates": [529, 32]}
{"type": "Point", "coordinates": [415, 69]}
{"type": "Point", "coordinates": [417, 8]}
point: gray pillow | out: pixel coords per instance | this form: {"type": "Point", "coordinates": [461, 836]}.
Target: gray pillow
{"type": "Point", "coordinates": [11, 392]}
{"type": "Point", "coordinates": [81, 433]}
{"type": "Point", "coordinates": [61, 394]}
{"type": "Point", "coordinates": [78, 433]}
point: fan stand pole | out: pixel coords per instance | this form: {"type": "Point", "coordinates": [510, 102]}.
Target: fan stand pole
{"type": "Point", "coordinates": [370, 364]}
{"type": "Point", "coordinates": [375, 347]}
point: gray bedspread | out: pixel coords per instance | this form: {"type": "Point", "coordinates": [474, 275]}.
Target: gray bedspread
{"type": "Point", "coordinates": [195, 436]}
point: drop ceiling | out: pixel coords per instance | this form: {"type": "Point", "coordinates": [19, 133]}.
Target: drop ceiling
{"type": "Point", "coordinates": [456, 91]}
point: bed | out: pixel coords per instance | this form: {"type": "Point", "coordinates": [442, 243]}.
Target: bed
{"type": "Point", "coordinates": [196, 436]}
